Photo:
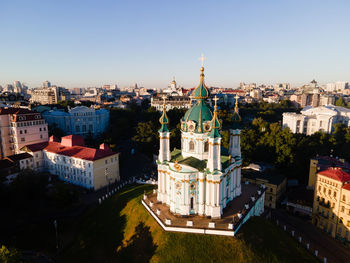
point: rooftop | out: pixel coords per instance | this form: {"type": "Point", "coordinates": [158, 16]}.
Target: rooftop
{"type": "Point", "coordinates": [336, 173]}
{"type": "Point", "coordinates": [71, 146]}
{"type": "Point", "coordinates": [18, 157]}
{"type": "Point", "coordinates": [269, 176]}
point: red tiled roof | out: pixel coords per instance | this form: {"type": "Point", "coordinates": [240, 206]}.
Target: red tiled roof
{"type": "Point", "coordinates": [346, 187]}
{"type": "Point", "coordinates": [336, 173]}
{"type": "Point", "coordinates": [35, 147]}
{"type": "Point", "coordinates": [80, 152]}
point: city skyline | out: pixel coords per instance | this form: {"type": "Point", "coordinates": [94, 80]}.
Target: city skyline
{"type": "Point", "coordinates": [84, 44]}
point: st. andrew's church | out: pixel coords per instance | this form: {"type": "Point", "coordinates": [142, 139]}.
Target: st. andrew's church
{"type": "Point", "coordinates": [202, 177]}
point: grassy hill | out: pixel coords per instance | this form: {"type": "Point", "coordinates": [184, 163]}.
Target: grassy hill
{"type": "Point", "coordinates": [120, 230]}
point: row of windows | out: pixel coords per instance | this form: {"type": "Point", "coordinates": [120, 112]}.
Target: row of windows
{"type": "Point", "coordinates": [329, 191]}
{"type": "Point", "coordinates": [328, 182]}
{"type": "Point", "coordinates": [191, 146]}
{"type": "Point", "coordinates": [83, 128]}
{"type": "Point", "coordinates": [27, 123]}
{"type": "Point", "coordinates": [25, 131]}
{"type": "Point", "coordinates": [106, 161]}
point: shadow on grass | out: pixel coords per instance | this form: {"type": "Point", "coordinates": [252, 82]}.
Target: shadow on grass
{"type": "Point", "coordinates": [101, 230]}
{"type": "Point", "coordinates": [140, 247]}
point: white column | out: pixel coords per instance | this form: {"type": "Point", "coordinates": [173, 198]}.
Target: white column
{"type": "Point", "coordinates": [213, 194]}
{"type": "Point", "coordinates": [206, 202]}
{"type": "Point", "coordinates": [218, 194]}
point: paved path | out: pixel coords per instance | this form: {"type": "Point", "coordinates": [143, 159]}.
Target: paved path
{"type": "Point", "coordinates": [328, 247]}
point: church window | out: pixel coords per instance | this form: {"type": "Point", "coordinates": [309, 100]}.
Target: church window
{"type": "Point", "coordinates": [191, 202]}
{"type": "Point", "coordinates": [206, 147]}
{"type": "Point", "coordinates": [191, 146]}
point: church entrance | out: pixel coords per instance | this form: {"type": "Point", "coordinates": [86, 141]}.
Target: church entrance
{"type": "Point", "coordinates": [192, 206]}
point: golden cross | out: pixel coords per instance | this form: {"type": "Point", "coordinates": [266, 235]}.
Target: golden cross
{"type": "Point", "coordinates": [215, 100]}
{"type": "Point", "coordinates": [164, 98]}
{"type": "Point", "coordinates": [202, 58]}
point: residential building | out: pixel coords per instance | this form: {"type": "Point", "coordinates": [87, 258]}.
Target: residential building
{"type": "Point", "coordinates": [331, 207]}
{"type": "Point", "coordinates": [19, 127]}
{"type": "Point", "coordinates": [311, 120]}
{"type": "Point", "coordinates": [72, 162]}
{"type": "Point", "coordinates": [275, 185]}
{"type": "Point", "coordinates": [80, 120]}
{"type": "Point", "coordinates": [320, 163]}
{"type": "Point", "coordinates": [49, 94]}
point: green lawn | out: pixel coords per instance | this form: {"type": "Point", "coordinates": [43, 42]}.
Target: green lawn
{"type": "Point", "coordinates": [120, 230]}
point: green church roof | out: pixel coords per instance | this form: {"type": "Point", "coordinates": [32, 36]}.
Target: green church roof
{"type": "Point", "coordinates": [199, 113]}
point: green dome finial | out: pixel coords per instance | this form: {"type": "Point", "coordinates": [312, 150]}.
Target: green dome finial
{"type": "Point", "coordinates": [215, 122]}
{"type": "Point", "coordinates": [201, 92]}
{"type": "Point", "coordinates": [236, 117]}
{"type": "Point", "coordinates": [164, 121]}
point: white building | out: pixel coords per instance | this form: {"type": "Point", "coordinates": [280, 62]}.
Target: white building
{"type": "Point", "coordinates": [311, 120]}
{"type": "Point", "coordinates": [199, 178]}
{"type": "Point", "coordinates": [72, 162]}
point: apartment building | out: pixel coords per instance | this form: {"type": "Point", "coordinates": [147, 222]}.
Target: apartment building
{"type": "Point", "coordinates": [331, 208]}
{"type": "Point", "coordinates": [19, 127]}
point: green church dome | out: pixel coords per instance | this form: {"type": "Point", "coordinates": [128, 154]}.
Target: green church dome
{"type": "Point", "coordinates": [200, 115]}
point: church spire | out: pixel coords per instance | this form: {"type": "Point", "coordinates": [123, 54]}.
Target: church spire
{"type": "Point", "coordinates": [236, 117]}
{"type": "Point", "coordinates": [215, 122]}
{"type": "Point", "coordinates": [201, 92]}
{"type": "Point", "coordinates": [164, 121]}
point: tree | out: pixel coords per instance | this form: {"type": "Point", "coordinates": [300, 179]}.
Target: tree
{"type": "Point", "coordinates": [340, 102]}
{"type": "Point", "coordinates": [9, 255]}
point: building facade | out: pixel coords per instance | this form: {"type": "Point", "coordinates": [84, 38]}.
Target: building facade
{"type": "Point", "coordinates": [276, 185]}
{"type": "Point", "coordinates": [80, 120]}
{"type": "Point", "coordinates": [19, 127]}
{"type": "Point", "coordinates": [311, 120]}
{"type": "Point", "coordinates": [72, 162]}
{"type": "Point", "coordinates": [49, 95]}
{"type": "Point", "coordinates": [202, 177]}
{"type": "Point", "coordinates": [331, 208]}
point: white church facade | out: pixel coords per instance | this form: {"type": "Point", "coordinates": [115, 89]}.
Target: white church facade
{"type": "Point", "coordinates": [202, 177]}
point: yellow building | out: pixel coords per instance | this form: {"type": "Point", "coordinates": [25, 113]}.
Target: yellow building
{"type": "Point", "coordinates": [331, 208]}
{"type": "Point", "coordinates": [275, 185]}
{"type": "Point", "coordinates": [320, 163]}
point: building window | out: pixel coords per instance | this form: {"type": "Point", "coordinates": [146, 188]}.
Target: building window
{"type": "Point", "coordinates": [106, 161]}
{"type": "Point", "coordinates": [39, 129]}
{"type": "Point", "coordinates": [22, 140]}
{"type": "Point", "coordinates": [191, 146]}
{"type": "Point", "coordinates": [343, 198]}
{"type": "Point", "coordinates": [44, 128]}
{"type": "Point", "coordinates": [77, 128]}
{"type": "Point", "coordinates": [20, 132]}
{"type": "Point", "coordinates": [342, 209]}
{"type": "Point", "coordinates": [329, 191]}
{"type": "Point", "coordinates": [335, 194]}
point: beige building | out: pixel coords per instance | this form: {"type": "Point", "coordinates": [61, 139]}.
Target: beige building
{"type": "Point", "coordinates": [19, 127]}
{"type": "Point", "coordinates": [49, 95]}
{"type": "Point", "coordinates": [275, 185]}
{"type": "Point", "coordinates": [331, 208]}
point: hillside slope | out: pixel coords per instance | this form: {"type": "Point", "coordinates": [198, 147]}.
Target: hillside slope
{"type": "Point", "coordinates": [120, 230]}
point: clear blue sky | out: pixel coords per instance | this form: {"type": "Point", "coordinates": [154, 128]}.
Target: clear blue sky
{"type": "Point", "coordinates": [81, 43]}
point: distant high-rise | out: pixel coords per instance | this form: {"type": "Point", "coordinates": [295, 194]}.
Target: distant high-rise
{"type": "Point", "coordinates": [46, 84]}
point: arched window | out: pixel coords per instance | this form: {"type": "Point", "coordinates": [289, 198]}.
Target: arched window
{"type": "Point", "coordinates": [191, 146]}
{"type": "Point", "coordinates": [206, 147]}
